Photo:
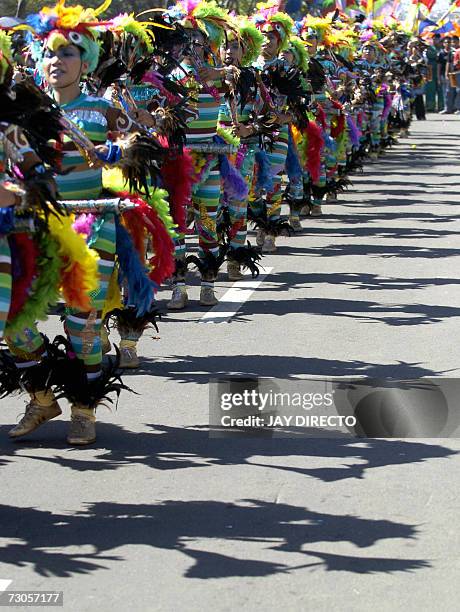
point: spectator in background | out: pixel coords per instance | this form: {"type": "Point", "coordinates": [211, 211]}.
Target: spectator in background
{"type": "Point", "coordinates": [419, 71]}
{"type": "Point", "coordinates": [433, 90]}
{"type": "Point", "coordinates": [452, 99]}
{"type": "Point", "coordinates": [443, 59]}
{"type": "Point", "coordinates": [456, 69]}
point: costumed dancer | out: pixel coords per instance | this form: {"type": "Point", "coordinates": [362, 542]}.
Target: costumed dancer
{"type": "Point", "coordinates": [200, 73]}
{"type": "Point", "coordinates": [312, 31]}
{"type": "Point", "coordinates": [126, 72]}
{"type": "Point", "coordinates": [66, 48]}
{"type": "Point", "coordinates": [239, 112]}
{"type": "Point", "coordinates": [276, 27]}
{"type": "Point", "coordinates": [297, 60]}
{"type": "Point", "coordinates": [40, 251]}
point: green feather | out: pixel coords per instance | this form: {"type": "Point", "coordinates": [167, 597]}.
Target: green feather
{"type": "Point", "coordinates": [45, 287]}
{"type": "Point", "coordinates": [252, 40]}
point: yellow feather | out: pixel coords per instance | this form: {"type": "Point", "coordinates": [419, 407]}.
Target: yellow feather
{"type": "Point", "coordinates": [103, 7]}
{"type": "Point", "coordinates": [74, 247]}
{"type": "Point", "coordinates": [113, 299]}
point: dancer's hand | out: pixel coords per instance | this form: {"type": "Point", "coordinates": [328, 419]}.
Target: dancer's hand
{"type": "Point", "coordinates": [7, 197]}
{"type": "Point", "coordinates": [143, 117]}
{"type": "Point", "coordinates": [101, 151]}
{"type": "Point", "coordinates": [243, 131]}
{"type": "Point", "coordinates": [207, 74]}
{"type": "Point", "coordinates": [284, 118]}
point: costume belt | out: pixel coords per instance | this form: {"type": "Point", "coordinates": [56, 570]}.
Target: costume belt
{"type": "Point", "coordinates": [112, 205]}
{"type": "Point", "coordinates": [212, 147]}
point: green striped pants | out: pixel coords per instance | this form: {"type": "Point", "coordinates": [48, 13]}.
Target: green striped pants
{"type": "Point", "coordinates": [5, 282]}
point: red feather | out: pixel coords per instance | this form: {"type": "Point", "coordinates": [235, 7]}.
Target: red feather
{"type": "Point", "coordinates": [137, 232]}
{"type": "Point", "coordinates": [339, 128]}
{"type": "Point", "coordinates": [314, 147]}
{"type": "Point", "coordinates": [321, 116]}
{"type": "Point", "coordinates": [177, 175]}
{"type": "Point", "coordinates": [26, 250]}
{"type": "Point", "coordinates": [162, 262]}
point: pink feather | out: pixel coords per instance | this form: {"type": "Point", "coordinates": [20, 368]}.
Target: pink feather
{"type": "Point", "coordinates": [83, 224]}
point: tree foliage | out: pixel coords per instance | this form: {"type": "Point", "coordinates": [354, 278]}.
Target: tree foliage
{"type": "Point", "coordinates": [22, 8]}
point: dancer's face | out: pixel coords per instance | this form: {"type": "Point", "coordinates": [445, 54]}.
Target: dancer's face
{"type": "Point", "coordinates": [63, 67]}
{"type": "Point", "coordinates": [270, 45]}
{"type": "Point", "coordinates": [288, 56]}
{"type": "Point", "coordinates": [313, 48]}
{"type": "Point", "coordinates": [233, 53]}
{"type": "Point", "coordinates": [197, 43]}
{"type": "Point", "coordinates": [368, 54]}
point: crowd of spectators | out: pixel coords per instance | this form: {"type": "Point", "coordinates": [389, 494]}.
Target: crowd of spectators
{"type": "Point", "coordinates": [442, 89]}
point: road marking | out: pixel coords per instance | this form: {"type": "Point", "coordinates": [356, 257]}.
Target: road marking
{"type": "Point", "coordinates": [4, 584]}
{"type": "Point", "coordinates": [237, 295]}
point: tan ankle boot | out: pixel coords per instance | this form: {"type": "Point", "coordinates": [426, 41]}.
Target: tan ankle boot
{"type": "Point", "coordinates": [260, 237]}
{"type": "Point", "coordinates": [82, 429]}
{"type": "Point", "coordinates": [128, 354]}
{"type": "Point", "coordinates": [234, 271]}
{"type": "Point", "coordinates": [207, 297]}
{"type": "Point", "coordinates": [269, 245]}
{"type": "Point", "coordinates": [316, 211]}
{"type": "Point", "coordinates": [179, 298]}
{"type": "Point", "coordinates": [42, 407]}
{"type": "Point", "coordinates": [294, 222]}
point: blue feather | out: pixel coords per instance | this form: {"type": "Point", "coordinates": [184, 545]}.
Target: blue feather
{"type": "Point", "coordinates": [293, 167]}
{"type": "Point", "coordinates": [42, 24]}
{"type": "Point", "coordinates": [6, 220]}
{"type": "Point", "coordinates": [330, 143]}
{"type": "Point", "coordinates": [140, 287]}
{"type": "Point", "coordinates": [264, 176]}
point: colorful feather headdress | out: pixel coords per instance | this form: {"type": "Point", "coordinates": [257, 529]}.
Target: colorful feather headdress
{"type": "Point", "coordinates": [270, 19]}
{"type": "Point", "coordinates": [250, 38]}
{"type": "Point", "coordinates": [58, 26]}
{"type": "Point", "coordinates": [201, 15]}
{"type": "Point", "coordinates": [297, 48]}
{"type": "Point", "coordinates": [315, 27]}
{"type": "Point", "coordinates": [339, 39]}
{"type": "Point", "coordinates": [140, 30]}
{"type": "Point", "coordinates": [6, 56]}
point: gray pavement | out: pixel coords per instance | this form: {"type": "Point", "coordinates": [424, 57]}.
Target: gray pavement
{"type": "Point", "coordinates": [157, 516]}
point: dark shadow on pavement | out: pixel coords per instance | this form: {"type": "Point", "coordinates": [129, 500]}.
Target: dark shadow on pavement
{"type": "Point", "coordinates": [182, 525]}
{"type": "Point", "coordinates": [164, 447]}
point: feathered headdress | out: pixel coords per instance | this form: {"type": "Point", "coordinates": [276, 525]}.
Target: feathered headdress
{"type": "Point", "coordinates": [61, 25]}
{"type": "Point", "coordinates": [270, 19]}
{"type": "Point", "coordinates": [315, 27]}
{"type": "Point", "coordinates": [297, 48]}
{"type": "Point", "coordinates": [126, 49]}
{"type": "Point", "coordinates": [6, 56]}
{"type": "Point", "coordinates": [339, 39]}
{"type": "Point", "coordinates": [201, 15]}
{"type": "Point", "coordinates": [140, 30]}
{"type": "Point", "coordinates": [250, 38]}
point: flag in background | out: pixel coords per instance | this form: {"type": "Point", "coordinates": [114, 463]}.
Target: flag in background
{"type": "Point", "coordinates": [426, 23]}
{"type": "Point", "coordinates": [444, 29]}
{"type": "Point", "coordinates": [428, 3]}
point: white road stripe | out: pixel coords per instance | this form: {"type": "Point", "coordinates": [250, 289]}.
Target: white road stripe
{"type": "Point", "coordinates": [4, 584]}
{"type": "Point", "coordinates": [238, 294]}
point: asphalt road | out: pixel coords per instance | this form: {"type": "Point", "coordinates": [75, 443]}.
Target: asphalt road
{"type": "Point", "coordinates": [158, 516]}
